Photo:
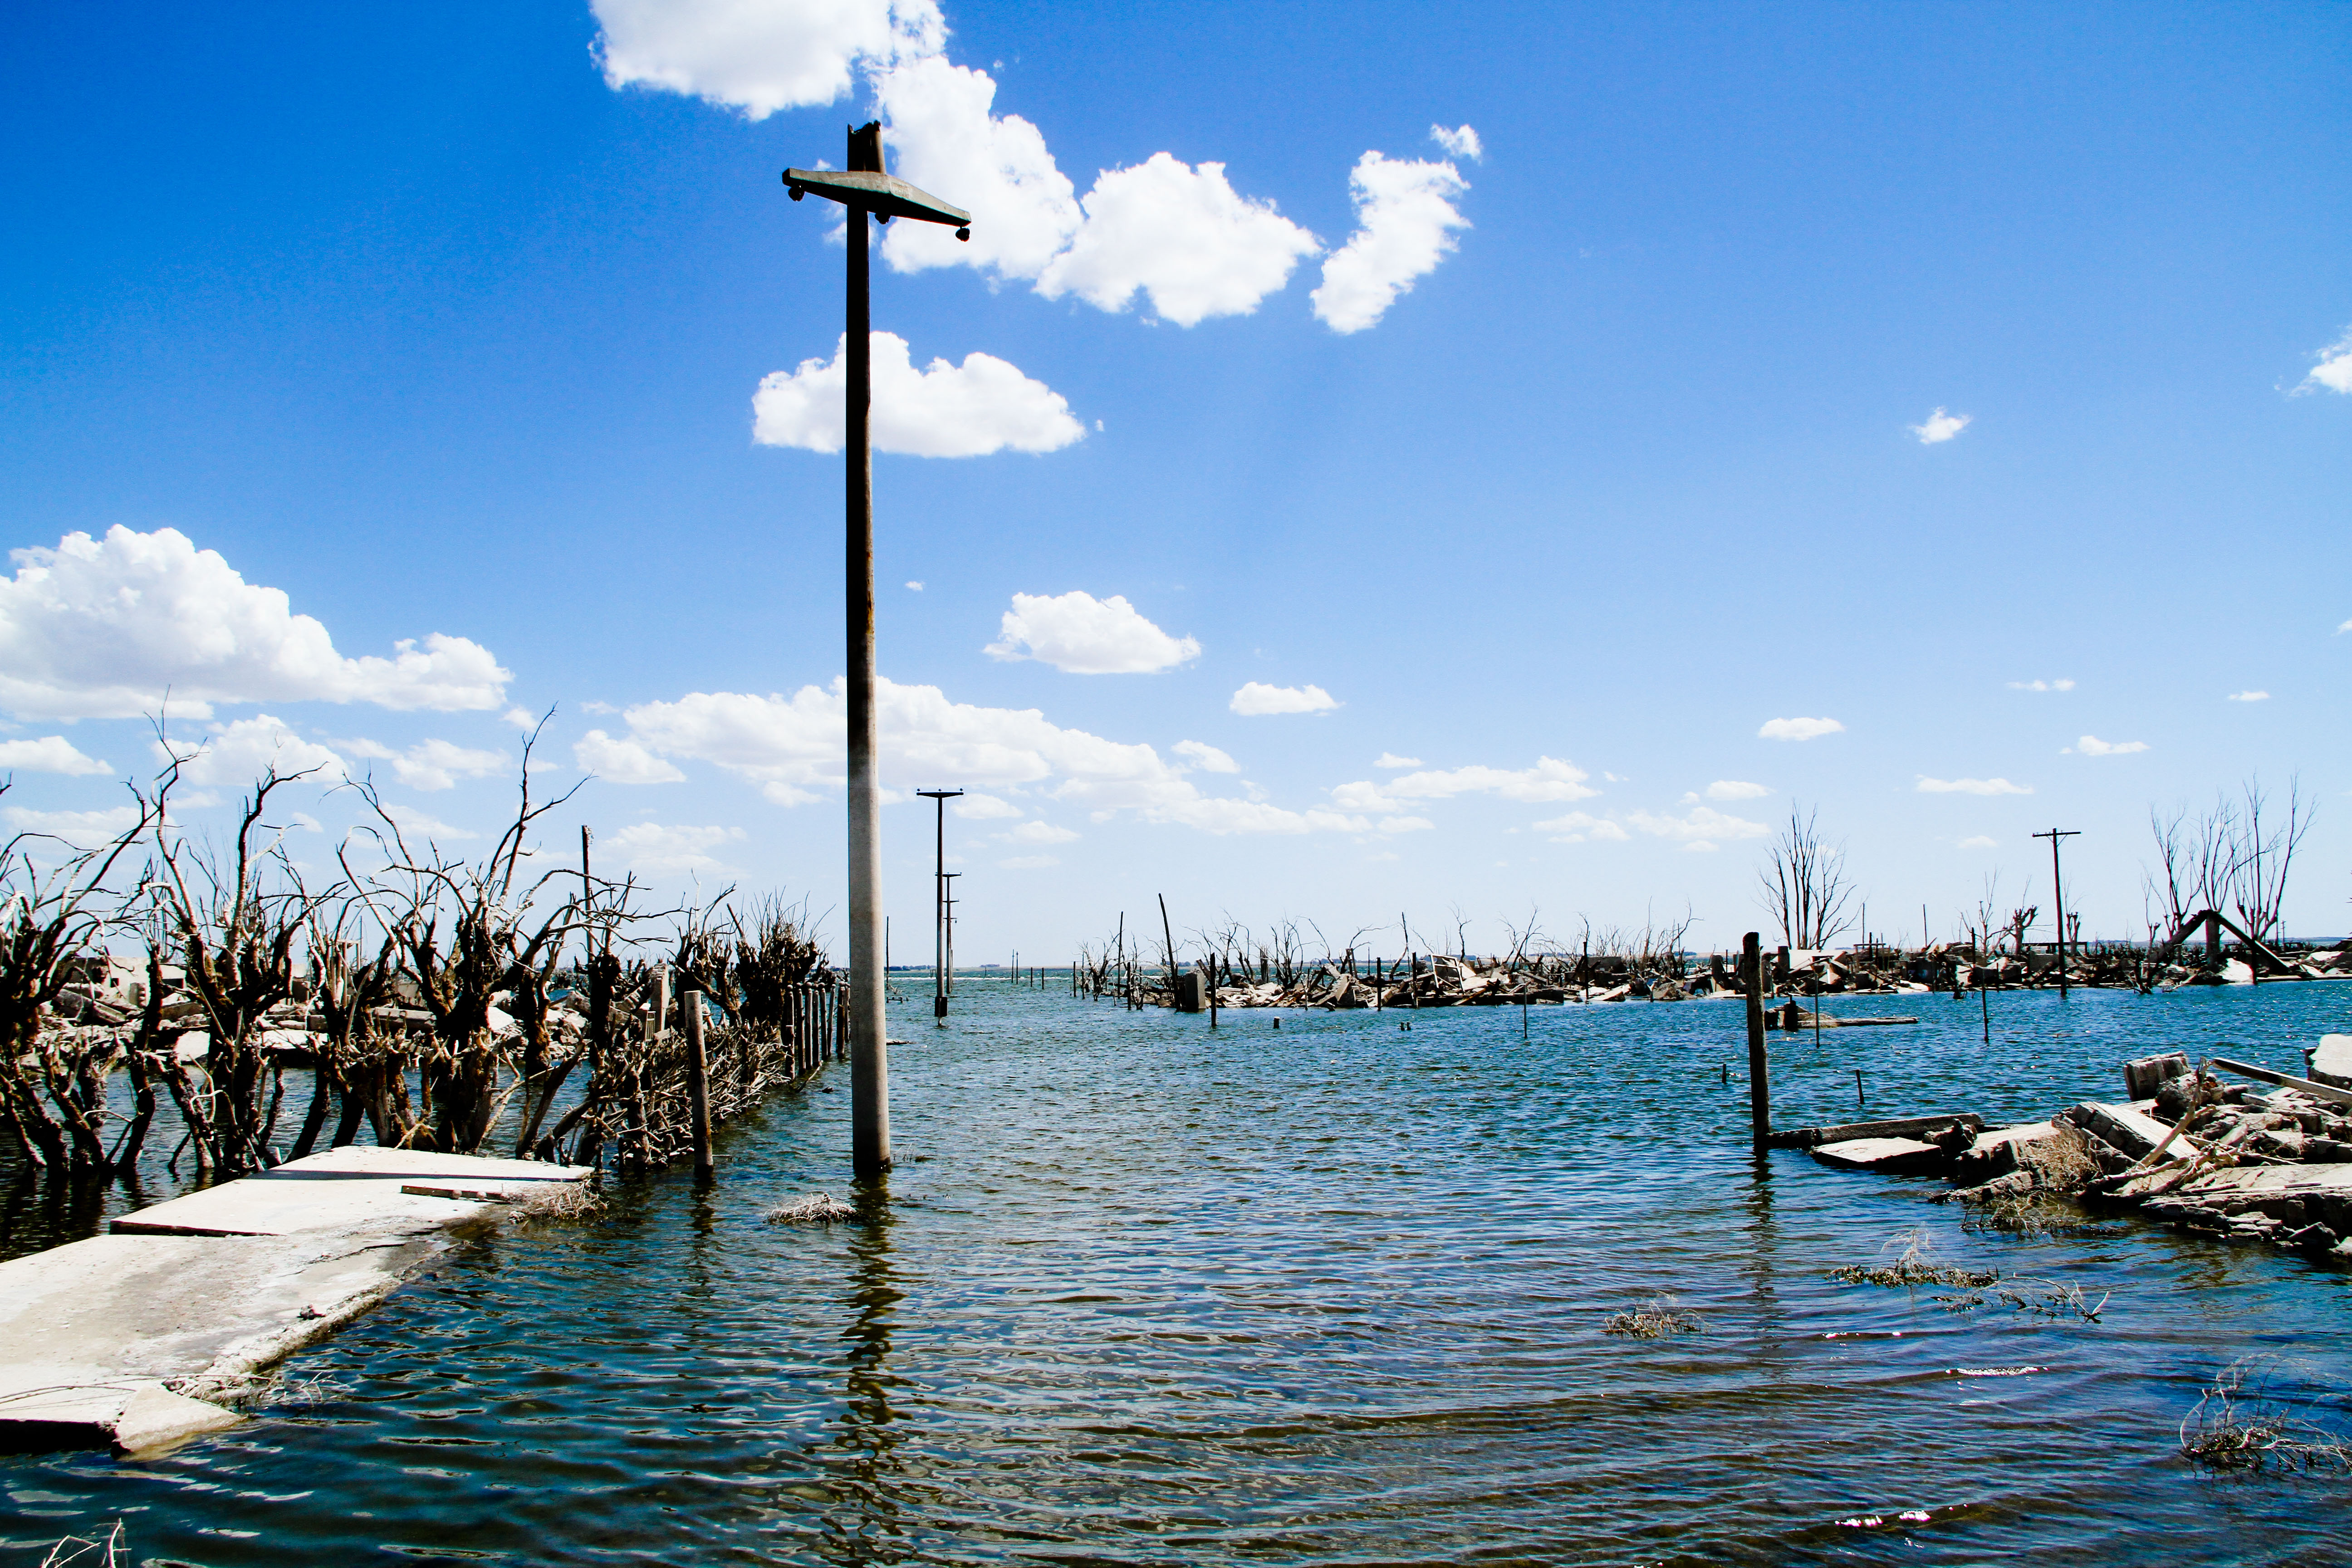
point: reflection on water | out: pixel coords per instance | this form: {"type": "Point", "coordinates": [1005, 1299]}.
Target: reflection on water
{"type": "Point", "coordinates": [1141, 1294]}
{"type": "Point", "coordinates": [865, 1525]}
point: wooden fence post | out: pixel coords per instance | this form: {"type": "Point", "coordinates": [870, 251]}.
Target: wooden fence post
{"type": "Point", "coordinates": [1759, 1067]}
{"type": "Point", "coordinates": [698, 1084]}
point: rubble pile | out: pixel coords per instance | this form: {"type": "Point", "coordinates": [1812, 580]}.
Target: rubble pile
{"type": "Point", "coordinates": [2269, 1161]}
{"type": "Point", "coordinates": [1791, 973]}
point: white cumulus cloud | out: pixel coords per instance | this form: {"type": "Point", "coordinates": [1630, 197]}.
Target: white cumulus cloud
{"type": "Point", "coordinates": [1208, 758]}
{"type": "Point", "coordinates": [969, 410]}
{"type": "Point", "coordinates": [1798, 729]}
{"type": "Point", "coordinates": [50, 754]}
{"type": "Point", "coordinates": [417, 826]}
{"type": "Point", "coordinates": [1550, 779]}
{"type": "Point", "coordinates": [1182, 235]}
{"type": "Point", "coordinates": [1459, 143]}
{"type": "Point", "coordinates": [235, 754]}
{"type": "Point", "coordinates": [2042, 685]}
{"type": "Point", "coordinates": [1176, 232]}
{"type": "Point", "coordinates": [1390, 759]}
{"type": "Point", "coordinates": [978, 805]}
{"type": "Point", "coordinates": [1977, 841]}
{"type": "Point", "coordinates": [101, 628]}
{"type": "Point", "coordinates": [795, 749]}
{"type": "Point", "coordinates": [2092, 746]}
{"type": "Point", "coordinates": [1256, 699]}
{"type": "Point", "coordinates": [1038, 832]}
{"type": "Point", "coordinates": [943, 136]}
{"type": "Point", "coordinates": [1700, 824]}
{"type": "Point", "coordinates": [1405, 219]}
{"type": "Point", "coordinates": [432, 765]}
{"type": "Point", "coordinates": [757, 56]}
{"type": "Point", "coordinates": [1079, 633]}
{"type": "Point", "coordinates": [1579, 826]}
{"type": "Point", "coordinates": [2334, 371]}
{"type": "Point", "coordinates": [79, 828]}
{"type": "Point", "coordinates": [2250, 696]}
{"type": "Point", "coordinates": [622, 760]}
{"type": "Point", "coordinates": [659, 850]}
{"type": "Point", "coordinates": [1940, 427]}
{"type": "Point", "coordinates": [1969, 787]}
{"type": "Point", "coordinates": [1737, 789]}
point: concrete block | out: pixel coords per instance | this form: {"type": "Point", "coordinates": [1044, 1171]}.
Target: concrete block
{"type": "Point", "coordinates": [2127, 1129]}
{"type": "Point", "coordinates": [2143, 1078]}
{"type": "Point", "coordinates": [1892, 1156]}
{"type": "Point", "coordinates": [2331, 1060]}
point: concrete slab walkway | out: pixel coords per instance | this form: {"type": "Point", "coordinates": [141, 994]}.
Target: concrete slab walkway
{"type": "Point", "coordinates": [128, 1340]}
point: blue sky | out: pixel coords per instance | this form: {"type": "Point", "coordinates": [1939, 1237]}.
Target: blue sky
{"type": "Point", "coordinates": [418, 319]}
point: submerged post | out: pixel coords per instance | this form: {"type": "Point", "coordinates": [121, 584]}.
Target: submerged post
{"type": "Point", "coordinates": [867, 191]}
{"type": "Point", "coordinates": [1759, 1068]}
{"type": "Point", "coordinates": [698, 1084]}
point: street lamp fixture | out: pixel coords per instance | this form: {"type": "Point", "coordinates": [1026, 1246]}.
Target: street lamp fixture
{"type": "Point", "coordinates": [866, 188]}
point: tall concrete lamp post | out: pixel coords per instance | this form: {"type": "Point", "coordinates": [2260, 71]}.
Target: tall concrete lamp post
{"type": "Point", "coordinates": [865, 189]}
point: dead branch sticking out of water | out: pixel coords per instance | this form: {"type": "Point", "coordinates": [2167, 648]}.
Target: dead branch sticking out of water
{"type": "Point", "coordinates": [2237, 1427]}
{"type": "Point", "coordinates": [1914, 1264]}
{"type": "Point", "coordinates": [1655, 1321]}
{"type": "Point", "coordinates": [73, 1551]}
{"type": "Point", "coordinates": [816, 1208]}
{"type": "Point", "coordinates": [2031, 1216]}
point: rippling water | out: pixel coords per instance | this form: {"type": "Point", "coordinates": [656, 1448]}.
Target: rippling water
{"type": "Point", "coordinates": [1142, 1294]}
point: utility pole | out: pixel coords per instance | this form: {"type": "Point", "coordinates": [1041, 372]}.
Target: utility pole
{"type": "Point", "coordinates": [2058, 897]}
{"type": "Point", "coordinates": [865, 189]}
{"type": "Point", "coordinates": [947, 925]}
{"type": "Point", "coordinates": [939, 908]}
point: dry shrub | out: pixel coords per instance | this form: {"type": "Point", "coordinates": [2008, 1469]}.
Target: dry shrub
{"type": "Point", "coordinates": [1913, 1264]}
{"type": "Point", "coordinates": [2061, 1162]}
{"type": "Point", "coordinates": [271, 1389]}
{"type": "Point", "coordinates": [2236, 1426]}
{"type": "Point", "coordinates": [817, 1208]}
{"type": "Point", "coordinates": [560, 1200]}
{"type": "Point", "coordinates": [2044, 1299]}
{"type": "Point", "coordinates": [1660, 1317]}
{"type": "Point", "coordinates": [2032, 1215]}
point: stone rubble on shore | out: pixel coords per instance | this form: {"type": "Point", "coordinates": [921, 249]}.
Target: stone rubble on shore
{"type": "Point", "coordinates": [2242, 1162]}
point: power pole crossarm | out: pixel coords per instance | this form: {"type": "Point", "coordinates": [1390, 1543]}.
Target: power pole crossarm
{"type": "Point", "coordinates": [2058, 901]}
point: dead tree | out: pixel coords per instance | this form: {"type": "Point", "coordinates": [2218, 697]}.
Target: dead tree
{"type": "Point", "coordinates": [232, 914]}
{"type": "Point", "coordinates": [52, 1082]}
{"type": "Point", "coordinates": [494, 943]}
{"type": "Point", "coordinates": [1803, 885]}
{"type": "Point", "coordinates": [2263, 858]}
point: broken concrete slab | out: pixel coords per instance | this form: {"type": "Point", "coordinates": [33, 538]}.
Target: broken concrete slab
{"type": "Point", "coordinates": [348, 1186]}
{"type": "Point", "coordinates": [2128, 1128]}
{"type": "Point", "coordinates": [1900, 1127]}
{"type": "Point", "coordinates": [2143, 1078]}
{"type": "Point", "coordinates": [127, 1338]}
{"type": "Point", "coordinates": [2331, 1061]}
{"type": "Point", "coordinates": [1998, 1151]}
{"type": "Point", "coordinates": [1893, 1156]}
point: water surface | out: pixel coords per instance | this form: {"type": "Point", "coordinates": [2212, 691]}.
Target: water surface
{"type": "Point", "coordinates": [1332, 1294]}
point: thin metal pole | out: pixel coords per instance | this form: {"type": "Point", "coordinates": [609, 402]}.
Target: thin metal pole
{"type": "Point", "coordinates": [869, 1065]}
